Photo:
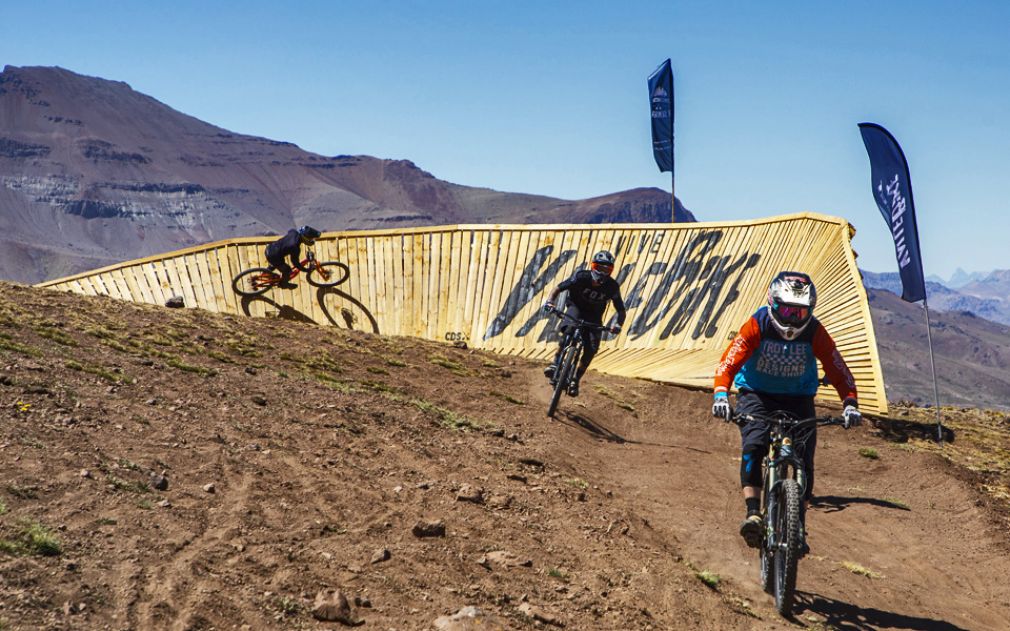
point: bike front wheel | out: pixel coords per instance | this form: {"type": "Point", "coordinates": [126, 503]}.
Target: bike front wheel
{"type": "Point", "coordinates": [787, 553]}
{"type": "Point", "coordinates": [329, 274]}
{"type": "Point", "coordinates": [253, 282]}
{"type": "Point", "coordinates": [569, 356]}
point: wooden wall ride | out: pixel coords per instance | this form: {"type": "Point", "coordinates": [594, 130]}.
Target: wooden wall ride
{"type": "Point", "coordinates": [688, 287]}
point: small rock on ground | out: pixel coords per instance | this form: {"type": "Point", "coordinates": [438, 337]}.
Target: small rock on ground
{"type": "Point", "coordinates": [429, 529]}
{"type": "Point", "coordinates": [469, 618]}
{"type": "Point", "coordinates": [334, 607]}
{"type": "Point", "coordinates": [381, 555]}
{"type": "Point", "coordinates": [539, 615]}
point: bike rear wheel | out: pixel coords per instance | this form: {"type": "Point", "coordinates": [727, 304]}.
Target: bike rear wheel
{"type": "Point", "coordinates": [329, 274]}
{"type": "Point", "coordinates": [253, 282]}
{"type": "Point", "coordinates": [787, 553]}
{"type": "Point", "coordinates": [565, 371]}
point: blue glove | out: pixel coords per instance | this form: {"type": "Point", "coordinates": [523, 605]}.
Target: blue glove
{"type": "Point", "coordinates": [851, 417]}
{"type": "Point", "coordinates": [721, 408]}
{"type": "Point", "coordinates": [548, 306]}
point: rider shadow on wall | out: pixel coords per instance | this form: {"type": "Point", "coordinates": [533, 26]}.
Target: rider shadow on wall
{"type": "Point", "coordinates": [283, 311]}
{"type": "Point", "coordinates": [842, 615]}
{"type": "Point", "coordinates": [347, 318]}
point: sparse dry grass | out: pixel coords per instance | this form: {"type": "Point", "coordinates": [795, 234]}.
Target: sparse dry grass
{"type": "Point", "coordinates": [856, 568]}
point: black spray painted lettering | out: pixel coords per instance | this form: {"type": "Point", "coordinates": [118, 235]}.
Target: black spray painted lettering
{"type": "Point", "coordinates": [685, 269]}
{"type": "Point", "coordinates": [528, 287]}
{"type": "Point", "coordinates": [694, 280]}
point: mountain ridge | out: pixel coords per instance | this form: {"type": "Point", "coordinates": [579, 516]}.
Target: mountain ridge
{"type": "Point", "coordinates": [93, 172]}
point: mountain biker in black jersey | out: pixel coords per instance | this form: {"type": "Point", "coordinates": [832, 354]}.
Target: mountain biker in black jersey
{"type": "Point", "coordinates": [773, 363]}
{"type": "Point", "coordinates": [290, 245]}
{"type": "Point", "coordinates": [589, 291]}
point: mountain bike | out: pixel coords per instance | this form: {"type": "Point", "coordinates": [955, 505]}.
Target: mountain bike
{"type": "Point", "coordinates": [785, 482]}
{"type": "Point", "coordinates": [571, 353]}
{"type": "Point", "coordinates": [258, 280]}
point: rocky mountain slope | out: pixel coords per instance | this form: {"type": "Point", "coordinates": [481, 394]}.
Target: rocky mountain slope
{"type": "Point", "coordinates": [179, 469]}
{"type": "Point", "coordinates": [93, 172]}
{"type": "Point", "coordinates": [988, 298]}
{"type": "Point", "coordinates": [972, 354]}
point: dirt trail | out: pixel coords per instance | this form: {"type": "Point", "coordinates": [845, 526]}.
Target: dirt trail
{"type": "Point", "coordinates": [941, 559]}
{"type": "Point", "coordinates": [326, 448]}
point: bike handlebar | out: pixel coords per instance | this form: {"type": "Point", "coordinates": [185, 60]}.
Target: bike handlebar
{"type": "Point", "coordinates": [579, 323]}
{"type": "Point", "coordinates": [739, 419]}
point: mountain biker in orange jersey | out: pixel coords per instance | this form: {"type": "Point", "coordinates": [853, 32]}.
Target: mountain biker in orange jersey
{"type": "Point", "coordinates": [290, 245]}
{"type": "Point", "coordinates": [589, 291]}
{"type": "Point", "coordinates": [774, 361]}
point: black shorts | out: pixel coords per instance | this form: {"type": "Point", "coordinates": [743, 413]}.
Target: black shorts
{"type": "Point", "coordinates": [754, 436]}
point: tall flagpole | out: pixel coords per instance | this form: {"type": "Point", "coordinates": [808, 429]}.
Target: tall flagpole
{"type": "Point", "coordinates": [673, 162]}
{"type": "Point", "coordinates": [932, 367]}
{"type": "Point", "coordinates": [673, 200]}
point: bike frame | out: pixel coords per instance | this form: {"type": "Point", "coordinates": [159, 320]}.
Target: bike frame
{"type": "Point", "coordinates": [310, 260]}
{"type": "Point", "coordinates": [572, 336]}
{"type": "Point", "coordinates": [782, 457]}
{"type": "Point", "coordinates": [572, 343]}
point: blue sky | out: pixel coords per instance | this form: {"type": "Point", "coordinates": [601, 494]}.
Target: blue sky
{"type": "Point", "coordinates": [551, 98]}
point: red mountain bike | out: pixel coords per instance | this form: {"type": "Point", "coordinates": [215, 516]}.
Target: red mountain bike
{"type": "Point", "coordinates": [258, 280]}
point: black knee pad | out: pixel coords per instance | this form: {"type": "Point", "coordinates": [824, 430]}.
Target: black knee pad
{"type": "Point", "coordinates": [750, 467]}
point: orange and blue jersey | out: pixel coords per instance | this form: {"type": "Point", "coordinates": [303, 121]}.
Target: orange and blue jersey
{"type": "Point", "coordinates": [761, 360]}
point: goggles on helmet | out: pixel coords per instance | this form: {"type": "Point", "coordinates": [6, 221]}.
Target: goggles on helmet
{"type": "Point", "coordinates": [792, 315]}
{"type": "Point", "coordinates": [602, 268]}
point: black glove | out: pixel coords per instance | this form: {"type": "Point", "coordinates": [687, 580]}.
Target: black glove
{"type": "Point", "coordinates": [616, 329]}
{"type": "Point", "coordinates": [851, 417]}
{"type": "Point", "coordinates": [721, 408]}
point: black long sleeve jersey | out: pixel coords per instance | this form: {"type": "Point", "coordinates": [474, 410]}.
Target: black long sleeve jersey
{"type": "Point", "coordinates": [591, 299]}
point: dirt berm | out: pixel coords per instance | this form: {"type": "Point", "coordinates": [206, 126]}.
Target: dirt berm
{"type": "Point", "coordinates": [174, 469]}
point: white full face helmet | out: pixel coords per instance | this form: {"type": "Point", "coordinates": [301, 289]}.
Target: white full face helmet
{"type": "Point", "coordinates": [791, 301]}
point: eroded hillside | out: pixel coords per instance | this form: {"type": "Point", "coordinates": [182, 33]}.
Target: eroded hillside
{"type": "Point", "coordinates": [175, 469]}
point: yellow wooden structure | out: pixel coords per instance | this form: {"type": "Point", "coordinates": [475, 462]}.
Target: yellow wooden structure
{"type": "Point", "coordinates": [688, 287]}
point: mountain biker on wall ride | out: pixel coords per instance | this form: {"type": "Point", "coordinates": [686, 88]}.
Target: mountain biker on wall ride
{"type": "Point", "coordinates": [774, 361]}
{"type": "Point", "coordinates": [589, 291]}
{"type": "Point", "coordinates": [290, 245]}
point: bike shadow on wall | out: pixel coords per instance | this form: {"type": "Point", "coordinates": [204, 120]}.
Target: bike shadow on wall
{"type": "Point", "coordinates": [839, 614]}
{"type": "Point", "coordinates": [598, 430]}
{"type": "Point", "coordinates": [348, 319]}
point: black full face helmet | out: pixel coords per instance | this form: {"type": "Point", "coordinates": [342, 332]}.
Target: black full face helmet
{"type": "Point", "coordinates": [308, 234]}
{"type": "Point", "coordinates": [602, 265]}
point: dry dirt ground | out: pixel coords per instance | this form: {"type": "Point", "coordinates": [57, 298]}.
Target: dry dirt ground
{"type": "Point", "coordinates": [325, 448]}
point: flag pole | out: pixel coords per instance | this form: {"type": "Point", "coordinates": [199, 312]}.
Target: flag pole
{"type": "Point", "coordinates": [673, 200]}
{"type": "Point", "coordinates": [932, 367]}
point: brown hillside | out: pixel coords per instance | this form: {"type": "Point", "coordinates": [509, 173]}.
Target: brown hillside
{"type": "Point", "coordinates": [325, 447]}
{"type": "Point", "coordinates": [93, 172]}
{"type": "Point", "coordinates": [972, 354]}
